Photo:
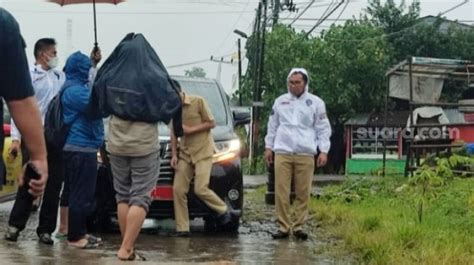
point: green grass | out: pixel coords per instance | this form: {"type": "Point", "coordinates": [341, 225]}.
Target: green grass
{"type": "Point", "coordinates": [378, 222]}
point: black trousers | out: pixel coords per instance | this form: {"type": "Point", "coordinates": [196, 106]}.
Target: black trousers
{"type": "Point", "coordinates": [23, 205]}
{"type": "Point", "coordinates": [81, 173]}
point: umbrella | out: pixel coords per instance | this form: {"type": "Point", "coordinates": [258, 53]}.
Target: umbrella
{"type": "Point", "coordinates": [72, 2]}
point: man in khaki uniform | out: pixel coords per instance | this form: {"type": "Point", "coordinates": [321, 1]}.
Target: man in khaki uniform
{"type": "Point", "coordinates": [196, 148]}
{"type": "Point", "coordinates": [297, 128]}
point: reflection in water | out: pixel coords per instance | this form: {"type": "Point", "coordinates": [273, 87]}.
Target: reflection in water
{"type": "Point", "coordinates": [252, 248]}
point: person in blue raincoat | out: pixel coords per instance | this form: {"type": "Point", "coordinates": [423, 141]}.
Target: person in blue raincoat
{"type": "Point", "coordinates": [84, 139]}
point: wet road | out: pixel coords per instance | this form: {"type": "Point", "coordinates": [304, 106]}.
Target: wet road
{"type": "Point", "coordinates": [253, 245]}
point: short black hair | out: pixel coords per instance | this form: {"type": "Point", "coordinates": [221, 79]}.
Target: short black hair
{"type": "Point", "coordinates": [176, 84]}
{"type": "Point", "coordinates": [305, 77]}
{"type": "Point", "coordinates": [43, 44]}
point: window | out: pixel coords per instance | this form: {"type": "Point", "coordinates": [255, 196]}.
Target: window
{"type": "Point", "coordinates": [210, 91]}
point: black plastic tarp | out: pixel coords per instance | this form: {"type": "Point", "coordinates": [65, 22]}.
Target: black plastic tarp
{"type": "Point", "coordinates": [133, 84]}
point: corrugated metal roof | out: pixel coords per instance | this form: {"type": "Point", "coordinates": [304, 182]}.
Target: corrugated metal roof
{"type": "Point", "coordinates": [394, 119]}
{"type": "Point", "coordinates": [399, 118]}
{"type": "Point", "coordinates": [358, 119]}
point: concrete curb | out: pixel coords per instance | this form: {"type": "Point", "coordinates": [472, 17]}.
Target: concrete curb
{"type": "Point", "coordinates": [256, 181]}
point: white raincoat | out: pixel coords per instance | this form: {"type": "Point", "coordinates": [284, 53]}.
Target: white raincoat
{"type": "Point", "coordinates": [298, 125]}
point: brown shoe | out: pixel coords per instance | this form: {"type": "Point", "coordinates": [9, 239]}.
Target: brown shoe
{"type": "Point", "coordinates": [180, 234]}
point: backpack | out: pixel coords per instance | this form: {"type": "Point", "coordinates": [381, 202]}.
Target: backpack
{"type": "Point", "coordinates": [55, 129]}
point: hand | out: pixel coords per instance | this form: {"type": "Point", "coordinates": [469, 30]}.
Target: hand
{"type": "Point", "coordinates": [187, 129]}
{"type": "Point", "coordinates": [322, 160]}
{"type": "Point", "coordinates": [14, 148]}
{"type": "Point", "coordinates": [96, 56]}
{"type": "Point", "coordinates": [174, 161]}
{"type": "Point", "coordinates": [268, 156]}
{"type": "Point", "coordinates": [37, 186]}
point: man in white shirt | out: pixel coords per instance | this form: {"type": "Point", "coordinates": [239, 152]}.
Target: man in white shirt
{"type": "Point", "coordinates": [47, 81]}
{"type": "Point", "coordinates": [297, 128]}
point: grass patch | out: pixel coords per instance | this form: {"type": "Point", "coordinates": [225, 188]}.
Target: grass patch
{"type": "Point", "coordinates": [377, 219]}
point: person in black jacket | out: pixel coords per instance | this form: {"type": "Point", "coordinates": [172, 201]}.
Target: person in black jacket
{"type": "Point", "coordinates": [16, 89]}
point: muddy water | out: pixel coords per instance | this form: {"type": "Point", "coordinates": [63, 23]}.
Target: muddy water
{"type": "Point", "coordinates": [253, 245]}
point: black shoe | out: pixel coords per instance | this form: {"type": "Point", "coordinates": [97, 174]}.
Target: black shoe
{"type": "Point", "coordinates": [280, 235]}
{"type": "Point", "coordinates": [12, 234]}
{"type": "Point", "coordinates": [180, 234]}
{"type": "Point", "coordinates": [224, 218]}
{"type": "Point", "coordinates": [45, 238]}
{"type": "Point", "coordinates": [300, 235]}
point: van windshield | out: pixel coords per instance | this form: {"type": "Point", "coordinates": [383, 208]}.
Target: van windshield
{"type": "Point", "coordinates": [210, 92]}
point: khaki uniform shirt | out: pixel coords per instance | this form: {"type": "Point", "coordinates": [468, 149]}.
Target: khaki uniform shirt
{"type": "Point", "coordinates": [132, 138]}
{"type": "Point", "coordinates": [198, 146]}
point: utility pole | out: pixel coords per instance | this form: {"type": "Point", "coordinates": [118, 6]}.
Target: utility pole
{"type": "Point", "coordinates": [219, 66]}
{"type": "Point", "coordinates": [256, 83]}
{"type": "Point", "coordinates": [276, 11]}
{"type": "Point", "coordinates": [257, 92]}
{"type": "Point", "coordinates": [239, 57]}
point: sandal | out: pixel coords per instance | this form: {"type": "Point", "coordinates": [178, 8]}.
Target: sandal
{"type": "Point", "coordinates": [134, 256]}
{"type": "Point", "coordinates": [60, 236]}
{"type": "Point", "coordinates": [89, 245]}
{"type": "Point", "coordinates": [94, 239]}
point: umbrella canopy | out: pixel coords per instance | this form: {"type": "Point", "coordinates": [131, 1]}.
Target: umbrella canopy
{"type": "Point", "coordinates": [93, 2]}
{"type": "Point", "coordinates": [72, 2]}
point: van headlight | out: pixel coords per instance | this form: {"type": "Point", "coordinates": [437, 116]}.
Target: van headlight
{"type": "Point", "coordinates": [226, 150]}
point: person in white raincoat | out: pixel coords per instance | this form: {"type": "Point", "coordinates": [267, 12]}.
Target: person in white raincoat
{"type": "Point", "coordinates": [298, 128]}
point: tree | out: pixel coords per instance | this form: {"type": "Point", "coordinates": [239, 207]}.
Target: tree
{"type": "Point", "coordinates": [195, 72]}
{"type": "Point", "coordinates": [390, 17]}
{"type": "Point", "coordinates": [395, 21]}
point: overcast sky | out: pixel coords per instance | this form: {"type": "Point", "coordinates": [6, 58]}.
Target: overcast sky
{"type": "Point", "coordinates": [181, 31]}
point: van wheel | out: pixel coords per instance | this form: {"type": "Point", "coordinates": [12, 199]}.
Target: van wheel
{"type": "Point", "coordinates": [232, 227]}
{"type": "Point", "coordinates": [210, 224]}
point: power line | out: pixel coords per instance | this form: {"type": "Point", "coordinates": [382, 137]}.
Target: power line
{"type": "Point", "coordinates": [343, 9]}
{"type": "Point", "coordinates": [133, 13]}
{"type": "Point", "coordinates": [186, 64]}
{"type": "Point", "coordinates": [376, 37]}
{"type": "Point", "coordinates": [454, 7]}
{"type": "Point", "coordinates": [302, 12]}
{"type": "Point", "coordinates": [195, 62]}
{"type": "Point", "coordinates": [233, 27]}
{"type": "Point", "coordinates": [322, 20]}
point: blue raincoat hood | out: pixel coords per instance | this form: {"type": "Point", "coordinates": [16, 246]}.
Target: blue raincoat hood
{"type": "Point", "coordinates": [77, 68]}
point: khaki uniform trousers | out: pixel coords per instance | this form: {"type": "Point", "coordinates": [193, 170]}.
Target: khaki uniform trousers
{"type": "Point", "coordinates": [302, 168]}
{"type": "Point", "coordinates": [182, 180]}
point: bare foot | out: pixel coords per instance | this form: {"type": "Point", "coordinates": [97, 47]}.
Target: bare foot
{"type": "Point", "coordinates": [124, 254]}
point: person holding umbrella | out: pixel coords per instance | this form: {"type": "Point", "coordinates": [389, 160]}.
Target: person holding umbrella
{"type": "Point", "coordinates": [84, 139]}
